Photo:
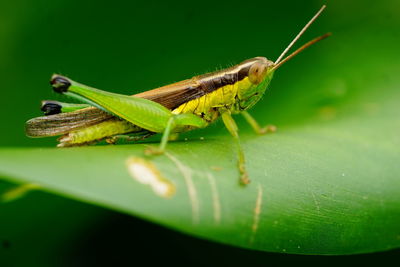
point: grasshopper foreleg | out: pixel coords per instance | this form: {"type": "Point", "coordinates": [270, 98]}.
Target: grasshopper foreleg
{"type": "Point", "coordinates": [230, 124]}
{"type": "Point", "coordinates": [256, 127]}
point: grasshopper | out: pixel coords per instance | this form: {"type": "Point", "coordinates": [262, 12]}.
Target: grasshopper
{"type": "Point", "coordinates": [171, 109]}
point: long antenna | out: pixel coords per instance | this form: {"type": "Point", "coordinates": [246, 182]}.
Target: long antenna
{"type": "Point", "coordinates": [310, 43]}
{"type": "Point", "coordinates": [300, 34]}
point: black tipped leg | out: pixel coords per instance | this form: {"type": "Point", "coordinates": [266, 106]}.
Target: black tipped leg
{"type": "Point", "coordinates": [60, 84]}
{"type": "Point", "coordinates": [51, 107]}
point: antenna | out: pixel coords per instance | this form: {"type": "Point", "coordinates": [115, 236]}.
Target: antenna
{"type": "Point", "coordinates": [310, 43]}
{"type": "Point", "coordinates": [300, 34]}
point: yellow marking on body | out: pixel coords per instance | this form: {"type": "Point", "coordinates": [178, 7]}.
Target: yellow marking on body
{"type": "Point", "coordinates": [200, 104]}
{"type": "Point", "coordinates": [146, 172]}
{"type": "Point", "coordinates": [230, 92]}
{"type": "Point", "coordinates": [244, 85]}
{"type": "Point", "coordinates": [187, 175]}
{"type": "Point", "coordinates": [257, 212]}
{"type": "Point", "coordinates": [215, 198]}
{"type": "Point", "coordinates": [211, 99]}
{"type": "Point", "coordinates": [222, 97]}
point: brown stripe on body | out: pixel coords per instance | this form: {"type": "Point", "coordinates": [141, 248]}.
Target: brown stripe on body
{"type": "Point", "coordinates": [217, 81]}
{"type": "Point", "coordinates": [213, 81]}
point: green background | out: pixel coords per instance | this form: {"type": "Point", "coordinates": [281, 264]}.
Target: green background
{"type": "Point", "coordinates": [129, 47]}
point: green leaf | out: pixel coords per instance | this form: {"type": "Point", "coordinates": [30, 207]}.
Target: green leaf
{"type": "Point", "coordinates": [327, 182]}
{"type": "Point", "coordinates": [324, 188]}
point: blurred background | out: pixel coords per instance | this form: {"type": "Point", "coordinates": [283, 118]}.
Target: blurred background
{"type": "Point", "coordinates": [133, 46]}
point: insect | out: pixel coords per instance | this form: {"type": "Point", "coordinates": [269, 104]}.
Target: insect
{"type": "Point", "coordinates": [179, 107]}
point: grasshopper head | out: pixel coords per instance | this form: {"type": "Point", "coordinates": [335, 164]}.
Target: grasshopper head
{"type": "Point", "coordinates": [260, 69]}
{"type": "Point", "coordinates": [258, 72]}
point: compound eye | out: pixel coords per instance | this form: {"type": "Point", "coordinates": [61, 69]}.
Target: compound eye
{"type": "Point", "coordinates": [257, 73]}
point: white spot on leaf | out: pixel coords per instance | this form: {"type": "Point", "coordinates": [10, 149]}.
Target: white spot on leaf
{"type": "Point", "coordinates": [146, 172]}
